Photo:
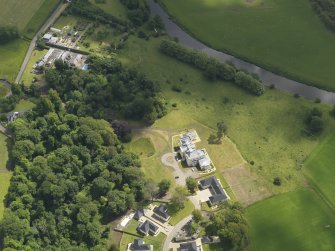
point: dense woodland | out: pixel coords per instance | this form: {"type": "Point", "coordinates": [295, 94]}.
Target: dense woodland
{"type": "Point", "coordinates": [326, 11]}
{"type": "Point", "coordinates": [69, 173]}
{"type": "Point", "coordinates": [107, 88]}
{"type": "Point", "coordinates": [212, 68]}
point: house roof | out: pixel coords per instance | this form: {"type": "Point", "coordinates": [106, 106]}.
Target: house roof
{"type": "Point", "coordinates": [138, 245]}
{"type": "Point", "coordinates": [147, 227]}
{"type": "Point", "coordinates": [197, 154]}
{"type": "Point", "coordinates": [47, 36]}
{"type": "Point", "coordinates": [161, 211]}
{"type": "Point", "coordinates": [139, 213]}
{"type": "Point", "coordinates": [204, 162]}
{"type": "Point", "coordinates": [218, 193]}
{"type": "Point", "coordinates": [189, 246]}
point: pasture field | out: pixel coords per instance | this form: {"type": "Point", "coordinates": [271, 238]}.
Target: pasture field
{"type": "Point", "coordinates": [319, 168]}
{"type": "Point", "coordinates": [283, 36]}
{"type": "Point", "coordinates": [113, 7]}
{"type": "Point", "coordinates": [266, 130]}
{"type": "Point", "coordinates": [298, 221]}
{"type": "Point", "coordinates": [18, 12]}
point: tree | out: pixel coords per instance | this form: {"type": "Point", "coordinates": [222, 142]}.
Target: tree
{"type": "Point", "coordinates": [178, 199]}
{"type": "Point", "coordinates": [151, 189]}
{"type": "Point", "coordinates": [197, 216]}
{"type": "Point", "coordinates": [191, 184]}
{"type": "Point", "coordinates": [316, 125]}
{"type": "Point", "coordinates": [156, 23]}
{"type": "Point", "coordinates": [221, 130]}
{"type": "Point", "coordinates": [164, 186]}
{"type": "Point", "coordinates": [8, 33]}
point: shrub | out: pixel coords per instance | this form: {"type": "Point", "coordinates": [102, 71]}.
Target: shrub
{"type": "Point", "coordinates": [277, 181]}
{"type": "Point", "coordinates": [176, 88]}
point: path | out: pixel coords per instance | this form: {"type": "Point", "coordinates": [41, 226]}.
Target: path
{"type": "Point", "coordinates": [175, 230]}
{"type": "Point", "coordinates": [267, 77]}
{"type": "Point", "coordinates": [57, 12]}
{"type": "Point", "coordinates": [4, 131]}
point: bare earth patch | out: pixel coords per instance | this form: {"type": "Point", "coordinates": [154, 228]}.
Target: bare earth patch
{"type": "Point", "coordinates": [245, 185]}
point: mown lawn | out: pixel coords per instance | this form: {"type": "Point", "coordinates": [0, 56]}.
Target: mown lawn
{"type": "Point", "coordinates": [4, 141]}
{"type": "Point", "coordinates": [320, 168]}
{"type": "Point", "coordinates": [28, 74]}
{"type": "Point", "coordinates": [24, 105]}
{"type": "Point", "coordinates": [186, 211]}
{"type": "Point", "coordinates": [156, 241]}
{"type": "Point", "coordinates": [143, 147]}
{"type": "Point", "coordinates": [298, 221]}
{"type": "Point", "coordinates": [267, 130]}
{"type": "Point", "coordinates": [285, 35]}
{"type": "Point", "coordinates": [4, 184]}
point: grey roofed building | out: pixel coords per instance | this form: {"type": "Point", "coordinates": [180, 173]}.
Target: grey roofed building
{"type": "Point", "coordinates": [12, 116]}
{"type": "Point", "coordinates": [218, 193]}
{"type": "Point", "coordinates": [204, 163]}
{"type": "Point", "coordinates": [161, 212]}
{"type": "Point", "coordinates": [189, 246]}
{"type": "Point", "coordinates": [139, 245]}
{"type": "Point", "coordinates": [147, 227]}
{"type": "Point", "coordinates": [139, 213]}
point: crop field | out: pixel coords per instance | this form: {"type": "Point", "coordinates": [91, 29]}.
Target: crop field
{"type": "Point", "coordinates": [298, 221]}
{"type": "Point", "coordinates": [284, 36]}
{"type": "Point", "coordinates": [320, 168]}
{"type": "Point", "coordinates": [266, 130]}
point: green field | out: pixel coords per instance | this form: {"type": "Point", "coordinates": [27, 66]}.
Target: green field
{"type": "Point", "coordinates": [142, 147]}
{"type": "Point", "coordinates": [18, 12]}
{"type": "Point", "coordinates": [320, 168]}
{"type": "Point", "coordinates": [28, 15]}
{"type": "Point", "coordinates": [298, 221]}
{"type": "Point", "coordinates": [5, 175]}
{"type": "Point", "coordinates": [3, 91]}
{"type": "Point", "coordinates": [24, 105]}
{"type": "Point", "coordinates": [113, 7]}
{"type": "Point", "coordinates": [266, 129]}
{"type": "Point", "coordinates": [284, 36]}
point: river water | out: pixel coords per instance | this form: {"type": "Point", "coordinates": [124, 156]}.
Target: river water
{"type": "Point", "coordinates": [268, 78]}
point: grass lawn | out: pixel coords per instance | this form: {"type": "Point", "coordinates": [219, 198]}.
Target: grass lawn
{"type": "Point", "coordinates": [12, 55]}
{"type": "Point", "coordinates": [24, 105]}
{"type": "Point", "coordinates": [152, 145]}
{"type": "Point", "coordinates": [28, 75]}
{"type": "Point", "coordinates": [320, 168]}
{"type": "Point", "coordinates": [296, 221]}
{"type": "Point", "coordinates": [283, 35]}
{"type": "Point", "coordinates": [212, 247]}
{"type": "Point", "coordinates": [3, 152]}
{"type": "Point", "coordinates": [266, 129]}
{"type": "Point", "coordinates": [3, 91]}
{"type": "Point", "coordinates": [186, 211]}
{"type": "Point", "coordinates": [113, 7]}
{"type": "Point", "coordinates": [142, 147]}
{"type": "Point", "coordinates": [156, 241]}
{"type": "Point", "coordinates": [5, 175]}
{"type": "Point", "coordinates": [4, 184]}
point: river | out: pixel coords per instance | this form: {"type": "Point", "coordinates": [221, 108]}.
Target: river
{"type": "Point", "coordinates": [268, 78]}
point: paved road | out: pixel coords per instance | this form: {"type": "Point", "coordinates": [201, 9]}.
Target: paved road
{"type": "Point", "coordinates": [175, 230]}
{"type": "Point", "coordinates": [267, 77]}
{"type": "Point", "coordinates": [58, 11]}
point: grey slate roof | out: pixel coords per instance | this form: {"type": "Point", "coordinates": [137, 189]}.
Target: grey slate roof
{"type": "Point", "coordinates": [139, 213]}
{"type": "Point", "coordinates": [138, 245]}
{"type": "Point", "coordinates": [147, 227]}
{"type": "Point", "coordinates": [218, 193]}
{"type": "Point", "coordinates": [190, 246]}
{"type": "Point", "coordinates": [161, 211]}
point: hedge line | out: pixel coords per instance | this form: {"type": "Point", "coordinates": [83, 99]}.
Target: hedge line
{"type": "Point", "coordinates": [326, 11]}
{"type": "Point", "coordinates": [212, 68]}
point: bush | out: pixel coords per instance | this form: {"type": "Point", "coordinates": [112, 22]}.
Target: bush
{"type": "Point", "coordinates": [326, 10]}
{"type": "Point", "coordinates": [8, 33]}
{"type": "Point", "coordinates": [176, 88]}
{"type": "Point", "coordinates": [277, 181]}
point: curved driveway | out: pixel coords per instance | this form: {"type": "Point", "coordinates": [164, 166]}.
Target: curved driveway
{"type": "Point", "coordinates": [267, 77]}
